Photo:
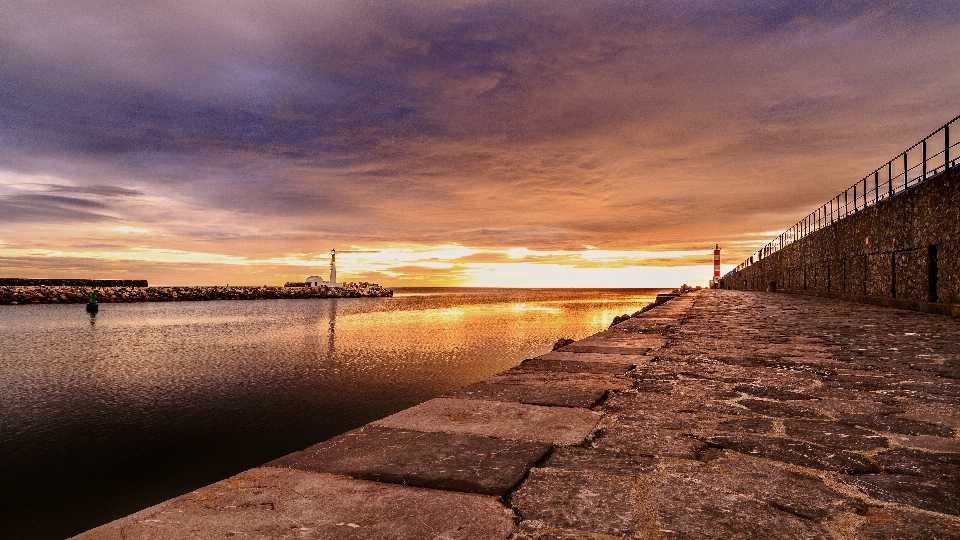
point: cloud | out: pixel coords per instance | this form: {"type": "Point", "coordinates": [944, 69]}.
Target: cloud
{"type": "Point", "coordinates": [662, 125]}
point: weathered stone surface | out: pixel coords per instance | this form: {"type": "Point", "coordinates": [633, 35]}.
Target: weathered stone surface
{"type": "Point", "coordinates": [834, 434]}
{"type": "Point", "coordinates": [796, 452]}
{"type": "Point", "coordinates": [767, 392]}
{"type": "Point", "coordinates": [577, 501]}
{"type": "Point", "coordinates": [435, 460]}
{"type": "Point", "coordinates": [931, 494]}
{"type": "Point", "coordinates": [930, 443]}
{"type": "Point", "coordinates": [920, 463]}
{"type": "Point", "coordinates": [685, 508]}
{"type": "Point", "coordinates": [894, 524]}
{"type": "Point", "coordinates": [533, 394]}
{"type": "Point", "coordinates": [803, 495]}
{"type": "Point", "coordinates": [537, 530]}
{"type": "Point", "coordinates": [593, 460]}
{"type": "Point", "coordinates": [600, 349]}
{"type": "Point", "coordinates": [575, 366]}
{"type": "Point", "coordinates": [270, 502]}
{"type": "Point", "coordinates": [648, 442]}
{"type": "Point", "coordinates": [531, 423]}
{"type": "Point", "coordinates": [594, 357]}
{"type": "Point", "coordinates": [746, 425]}
{"type": "Point", "coordinates": [775, 408]}
{"type": "Point", "coordinates": [895, 424]}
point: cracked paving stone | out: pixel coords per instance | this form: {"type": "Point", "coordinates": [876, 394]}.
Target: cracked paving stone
{"type": "Point", "coordinates": [435, 460]}
{"type": "Point", "coordinates": [794, 452]}
{"type": "Point", "coordinates": [746, 425]}
{"type": "Point", "coordinates": [685, 508]}
{"type": "Point", "coordinates": [575, 366]}
{"type": "Point", "coordinates": [598, 461]}
{"type": "Point", "coordinates": [834, 434]}
{"type": "Point", "coordinates": [573, 500]}
{"type": "Point", "coordinates": [931, 494]}
{"type": "Point", "coordinates": [893, 524]}
{"type": "Point", "coordinates": [895, 424]}
{"type": "Point", "coordinates": [648, 442]}
{"type": "Point", "coordinates": [771, 393]}
{"type": "Point", "coordinates": [781, 410]}
{"type": "Point", "coordinates": [802, 495]}
{"type": "Point", "coordinates": [532, 394]}
{"type": "Point", "coordinates": [503, 420]}
{"type": "Point", "coordinates": [269, 502]}
{"type": "Point", "coordinates": [919, 463]}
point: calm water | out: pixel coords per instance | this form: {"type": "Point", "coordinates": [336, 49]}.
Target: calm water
{"type": "Point", "coordinates": [102, 417]}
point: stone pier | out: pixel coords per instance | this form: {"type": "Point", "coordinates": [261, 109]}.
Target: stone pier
{"type": "Point", "coordinates": [720, 414]}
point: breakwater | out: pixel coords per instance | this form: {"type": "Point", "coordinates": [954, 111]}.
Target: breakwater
{"type": "Point", "coordinates": [18, 295]}
{"type": "Point", "coordinates": [903, 251]}
{"type": "Point", "coordinates": [719, 414]}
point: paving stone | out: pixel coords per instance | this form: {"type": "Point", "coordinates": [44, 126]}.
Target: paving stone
{"type": "Point", "coordinates": [531, 423]}
{"type": "Point", "coordinates": [894, 524]}
{"type": "Point", "coordinates": [799, 494]}
{"type": "Point", "coordinates": [771, 393]}
{"type": "Point", "coordinates": [269, 502]}
{"type": "Point", "coordinates": [577, 501]}
{"type": "Point", "coordinates": [685, 508]}
{"type": "Point", "coordinates": [930, 443]}
{"type": "Point", "coordinates": [834, 434]}
{"type": "Point", "coordinates": [782, 410]}
{"type": "Point", "coordinates": [575, 366]}
{"type": "Point", "coordinates": [435, 460]}
{"type": "Point", "coordinates": [537, 530]}
{"type": "Point", "coordinates": [594, 357]}
{"type": "Point", "coordinates": [605, 349]}
{"type": "Point", "coordinates": [648, 442]}
{"type": "Point", "coordinates": [850, 403]}
{"type": "Point", "coordinates": [533, 394]}
{"type": "Point", "coordinates": [746, 425]}
{"type": "Point", "coordinates": [895, 424]}
{"type": "Point", "coordinates": [799, 453]}
{"type": "Point", "coordinates": [594, 460]}
{"type": "Point", "coordinates": [919, 463]}
{"type": "Point", "coordinates": [617, 338]}
{"type": "Point", "coordinates": [931, 494]}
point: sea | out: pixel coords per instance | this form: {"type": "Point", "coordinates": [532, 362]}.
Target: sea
{"type": "Point", "coordinates": [101, 416]}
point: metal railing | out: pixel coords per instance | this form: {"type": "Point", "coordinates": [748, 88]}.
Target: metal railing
{"type": "Point", "coordinates": [925, 159]}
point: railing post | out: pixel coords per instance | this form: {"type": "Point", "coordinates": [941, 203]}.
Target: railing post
{"type": "Point", "coordinates": [906, 172]}
{"type": "Point", "coordinates": [890, 178]}
{"type": "Point", "coordinates": [924, 167]}
{"type": "Point", "coordinates": [846, 203]}
{"type": "Point", "coordinates": [946, 147]}
{"type": "Point", "coordinates": [876, 186]}
{"type": "Point", "coordinates": [855, 197]}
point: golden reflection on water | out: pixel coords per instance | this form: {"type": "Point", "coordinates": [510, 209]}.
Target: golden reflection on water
{"type": "Point", "coordinates": [217, 387]}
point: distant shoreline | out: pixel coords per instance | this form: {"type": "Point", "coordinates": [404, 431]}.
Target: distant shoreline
{"type": "Point", "coordinates": [42, 294]}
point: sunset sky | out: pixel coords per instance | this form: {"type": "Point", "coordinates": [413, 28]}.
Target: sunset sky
{"type": "Point", "coordinates": [474, 143]}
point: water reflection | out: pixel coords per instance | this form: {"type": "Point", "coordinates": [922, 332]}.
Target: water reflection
{"type": "Point", "coordinates": [147, 401]}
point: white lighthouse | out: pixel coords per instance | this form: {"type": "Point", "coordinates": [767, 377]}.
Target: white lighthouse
{"type": "Point", "coordinates": [333, 268]}
{"type": "Point", "coordinates": [317, 281]}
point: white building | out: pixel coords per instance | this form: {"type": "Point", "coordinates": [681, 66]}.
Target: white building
{"type": "Point", "coordinates": [317, 281]}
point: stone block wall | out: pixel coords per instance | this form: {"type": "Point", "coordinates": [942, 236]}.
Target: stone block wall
{"type": "Point", "coordinates": [903, 252]}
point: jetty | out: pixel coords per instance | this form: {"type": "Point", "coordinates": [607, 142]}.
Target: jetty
{"type": "Point", "coordinates": [718, 414]}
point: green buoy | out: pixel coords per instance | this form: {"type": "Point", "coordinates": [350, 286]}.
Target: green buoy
{"type": "Point", "coordinates": [93, 307]}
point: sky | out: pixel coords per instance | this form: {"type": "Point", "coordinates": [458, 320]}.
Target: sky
{"type": "Point", "coordinates": [446, 143]}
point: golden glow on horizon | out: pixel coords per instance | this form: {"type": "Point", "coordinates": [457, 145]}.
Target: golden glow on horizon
{"type": "Point", "coordinates": [422, 265]}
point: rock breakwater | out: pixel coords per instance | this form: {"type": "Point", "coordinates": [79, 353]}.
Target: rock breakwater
{"type": "Point", "coordinates": [17, 295]}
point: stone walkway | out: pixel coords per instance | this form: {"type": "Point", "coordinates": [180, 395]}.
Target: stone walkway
{"type": "Point", "coordinates": [720, 414]}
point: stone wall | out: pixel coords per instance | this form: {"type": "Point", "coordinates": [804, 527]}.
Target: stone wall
{"type": "Point", "coordinates": [30, 282]}
{"type": "Point", "coordinates": [903, 252]}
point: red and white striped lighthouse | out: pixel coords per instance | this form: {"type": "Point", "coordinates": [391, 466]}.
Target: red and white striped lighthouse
{"type": "Point", "coordinates": [716, 265]}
